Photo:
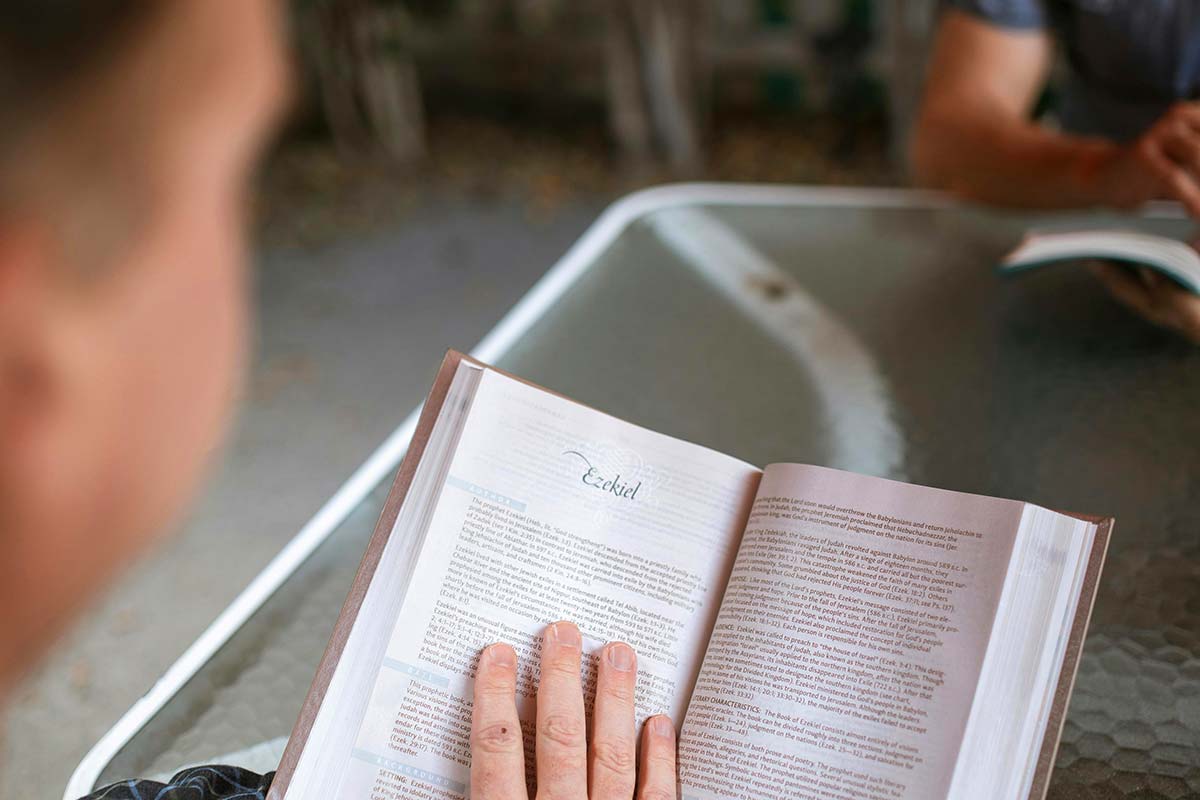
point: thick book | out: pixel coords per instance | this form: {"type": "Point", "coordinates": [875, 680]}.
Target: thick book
{"type": "Point", "coordinates": [815, 633]}
{"type": "Point", "coordinates": [1175, 259]}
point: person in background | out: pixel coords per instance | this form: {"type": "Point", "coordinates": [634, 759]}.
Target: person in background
{"type": "Point", "coordinates": [129, 130]}
{"type": "Point", "coordinates": [1130, 120]}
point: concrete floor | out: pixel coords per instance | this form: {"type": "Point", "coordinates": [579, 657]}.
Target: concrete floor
{"type": "Point", "coordinates": [350, 335]}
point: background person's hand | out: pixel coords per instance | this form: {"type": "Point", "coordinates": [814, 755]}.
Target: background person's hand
{"type": "Point", "coordinates": [1164, 162]}
{"type": "Point", "coordinates": [1152, 295]}
{"type": "Point", "coordinates": [569, 766]}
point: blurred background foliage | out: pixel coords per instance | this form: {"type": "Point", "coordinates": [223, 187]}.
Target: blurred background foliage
{"type": "Point", "coordinates": [549, 98]}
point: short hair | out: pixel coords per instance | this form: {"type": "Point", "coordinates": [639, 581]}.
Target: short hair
{"type": "Point", "coordinates": [51, 52]}
{"type": "Point", "coordinates": [49, 46]}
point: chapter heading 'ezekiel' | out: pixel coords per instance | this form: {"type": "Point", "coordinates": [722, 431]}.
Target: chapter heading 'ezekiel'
{"type": "Point", "coordinates": [592, 477]}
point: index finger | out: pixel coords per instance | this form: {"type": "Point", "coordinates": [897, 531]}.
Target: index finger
{"type": "Point", "coordinates": [497, 747]}
{"type": "Point", "coordinates": [1178, 181]}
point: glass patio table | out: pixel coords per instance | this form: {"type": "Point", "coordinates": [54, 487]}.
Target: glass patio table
{"type": "Point", "coordinates": [860, 329]}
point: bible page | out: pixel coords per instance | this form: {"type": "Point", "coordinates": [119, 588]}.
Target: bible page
{"type": "Point", "coordinates": [550, 511]}
{"type": "Point", "coordinates": [849, 643]}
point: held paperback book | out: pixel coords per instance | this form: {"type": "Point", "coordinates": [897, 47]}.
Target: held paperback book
{"type": "Point", "coordinates": [816, 634]}
{"type": "Point", "coordinates": [1175, 259]}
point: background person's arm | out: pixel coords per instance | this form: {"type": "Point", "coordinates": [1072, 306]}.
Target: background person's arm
{"type": "Point", "coordinates": [974, 135]}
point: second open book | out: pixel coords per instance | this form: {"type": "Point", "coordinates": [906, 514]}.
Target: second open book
{"type": "Point", "coordinates": [815, 633]}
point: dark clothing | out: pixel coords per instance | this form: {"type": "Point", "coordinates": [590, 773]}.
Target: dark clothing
{"type": "Point", "coordinates": [196, 783]}
{"type": "Point", "coordinates": [1129, 60]}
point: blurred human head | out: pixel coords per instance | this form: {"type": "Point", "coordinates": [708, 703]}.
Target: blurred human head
{"type": "Point", "coordinates": [128, 132]}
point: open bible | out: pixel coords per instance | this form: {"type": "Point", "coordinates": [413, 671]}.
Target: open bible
{"type": "Point", "coordinates": [815, 633]}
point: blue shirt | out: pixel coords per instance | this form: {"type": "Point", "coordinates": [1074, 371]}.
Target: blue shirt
{"type": "Point", "coordinates": [1129, 60]}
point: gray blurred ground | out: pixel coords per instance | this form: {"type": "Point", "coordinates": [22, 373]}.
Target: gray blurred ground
{"type": "Point", "coordinates": [350, 334]}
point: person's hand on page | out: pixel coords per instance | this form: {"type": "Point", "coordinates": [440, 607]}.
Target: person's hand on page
{"type": "Point", "coordinates": [569, 766]}
{"type": "Point", "coordinates": [1155, 297]}
{"type": "Point", "coordinates": [1164, 162]}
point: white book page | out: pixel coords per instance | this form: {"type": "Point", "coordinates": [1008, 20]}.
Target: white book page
{"type": "Point", "coordinates": [551, 511]}
{"type": "Point", "coordinates": [1020, 674]}
{"type": "Point", "coordinates": [849, 643]}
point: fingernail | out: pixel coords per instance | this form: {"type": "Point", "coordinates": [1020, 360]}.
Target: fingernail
{"type": "Point", "coordinates": [565, 634]}
{"type": "Point", "coordinates": [502, 656]}
{"type": "Point", "coordinates": [661, 726]}
{"type": "Point", "coordinates": [621, 657]}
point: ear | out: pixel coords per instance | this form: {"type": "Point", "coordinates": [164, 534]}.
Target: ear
{"type": "Point", "coordinates": [25, 381]}
{"type": "Point", "coordinates": [27, 278]}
